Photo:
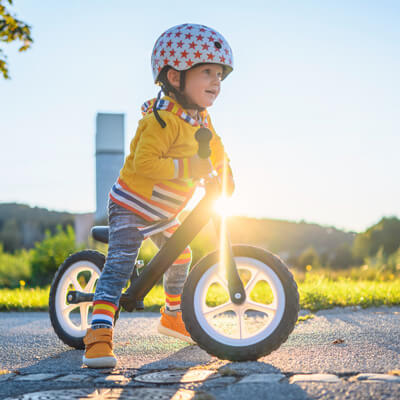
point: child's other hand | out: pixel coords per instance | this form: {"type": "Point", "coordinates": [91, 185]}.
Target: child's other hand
{"type": "Point", "coordinates": [200, 167]}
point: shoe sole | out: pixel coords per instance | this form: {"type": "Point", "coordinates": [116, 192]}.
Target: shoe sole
{"type": "Point", "coordinates": [99, 362]}
{"type": "Point", "coordinates": [169, 332]}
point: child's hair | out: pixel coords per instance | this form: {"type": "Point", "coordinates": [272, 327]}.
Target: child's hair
{"type": "Point", "coordinates": [166, 86]}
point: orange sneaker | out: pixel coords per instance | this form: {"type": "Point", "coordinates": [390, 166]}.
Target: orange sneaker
{"type": "Point", "coordinates": [98, 349]}
{"type": "Point", "coordinates": [172, 325]}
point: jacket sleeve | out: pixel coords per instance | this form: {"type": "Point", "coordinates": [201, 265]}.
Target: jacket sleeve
{"type": "Point", "coordinates": [153, 145]}
{"type": "Point", "coordinates": [220, 162]}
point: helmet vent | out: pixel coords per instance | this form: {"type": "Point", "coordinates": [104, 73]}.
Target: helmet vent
{"type": "Point", "coordinates": [218, 45]}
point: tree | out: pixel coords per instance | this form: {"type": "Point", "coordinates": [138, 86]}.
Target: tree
{"type": "Point", "coordinates": [10, 235]}
{"type": "Point", "coordinates": [385, 234]}
{"type": "Point", "coordinates": [342, 257]}
{"type": "Point", "coordinates": [12, 29]}
{"type": "Point", "coordinates": [308, 257]}
{"type": "Point", "coordinates": [49, 254]}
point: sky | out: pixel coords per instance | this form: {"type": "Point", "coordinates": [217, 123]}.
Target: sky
{"type": "Point", "coordinates": [309, 116]}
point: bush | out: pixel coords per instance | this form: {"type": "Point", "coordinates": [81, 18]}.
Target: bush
{"type": "Point", "coordinates": [49, 254]}
{"type": "Point", "coordinates": [308, 257]}
{"type": "Point", "coordinates": [342, 257]}
{"type": "Point", "coordinates": [383, 263]}
{"type": "Point", "coordinates": [14, 267]}
{"type": "Point", "coordinates": [385, 234]}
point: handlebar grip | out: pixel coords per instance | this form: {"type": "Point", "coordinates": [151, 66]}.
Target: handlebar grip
{"type": "Point", "coordinates": [203, 137]}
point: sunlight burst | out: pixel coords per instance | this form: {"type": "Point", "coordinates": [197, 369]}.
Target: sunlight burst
{"type": "Point", "coordinates": [223, 206]}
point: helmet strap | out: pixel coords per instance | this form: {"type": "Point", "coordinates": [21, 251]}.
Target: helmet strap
{"type": "Point", "coordinates": [156, 114]}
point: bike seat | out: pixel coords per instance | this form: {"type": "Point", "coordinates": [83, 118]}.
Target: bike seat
{"type": "Point", "coordinates": [100, 233]}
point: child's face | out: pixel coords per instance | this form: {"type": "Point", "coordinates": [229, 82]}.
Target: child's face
{"type": "Point", "coordinates": [203, 84]}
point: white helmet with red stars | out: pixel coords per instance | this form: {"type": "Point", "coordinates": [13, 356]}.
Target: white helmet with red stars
{"type": "Point", "coordinates": [184, 46]}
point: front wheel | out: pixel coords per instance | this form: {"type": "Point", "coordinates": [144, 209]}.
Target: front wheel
{"type": "Point", "coordinates": [250, 330]}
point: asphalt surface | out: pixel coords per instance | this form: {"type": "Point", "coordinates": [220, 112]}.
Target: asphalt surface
{"type": "Point", "coordinates": [343, 342]}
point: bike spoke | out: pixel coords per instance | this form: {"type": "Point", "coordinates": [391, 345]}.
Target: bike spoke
{"type": "Point", "coordinates": [212, 312]}
{"type": "Point", "coordinates": [84, 309]}
{"type": "Point", "coordinates": [90, 285]}
{"type": "Point", "coordinates": [252, 282]}
{"type": "Point", "coordinates": [264, 308]}
{"type": "Point", "coordinates": [242, 326]}
{"type": "Point", "coordinates": [66, 311]}
{"type": "Point", "coordinates": [220, 280]}
{"type": "Point", "coordinates": [75, 283]}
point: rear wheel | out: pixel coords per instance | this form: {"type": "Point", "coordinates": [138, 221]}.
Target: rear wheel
{"type": "Point", "coordinates": [250, 330]}
{"type": "Point", "coordinates": [79, 272]}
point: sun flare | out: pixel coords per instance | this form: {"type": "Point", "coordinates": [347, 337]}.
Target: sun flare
{"type": "Point", "coordinates": [223, 206]}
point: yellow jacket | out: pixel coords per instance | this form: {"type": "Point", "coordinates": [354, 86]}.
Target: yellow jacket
{"type": "Point", "coordinates": [159, 157]}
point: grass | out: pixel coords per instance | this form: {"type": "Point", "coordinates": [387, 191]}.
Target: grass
{"type": "Point", "coordinates": [317, 291]}
{"type": "Point", "coordinates": [324, 293]}
{"type": "Point", "coordinates": [24, 299]}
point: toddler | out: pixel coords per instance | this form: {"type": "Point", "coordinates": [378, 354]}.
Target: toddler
{"type": "Point", "coordinates": [160, 175]}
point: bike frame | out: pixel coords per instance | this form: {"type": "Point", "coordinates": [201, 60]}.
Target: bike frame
{"type": "Point", "coordinates": [141, 284]}
{"type": "Point", "coordinates": [176, 244]}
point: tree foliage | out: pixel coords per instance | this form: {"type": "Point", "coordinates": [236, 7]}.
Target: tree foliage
{"type": "Point", "coordinates": [308, 257]}
{"type": "Point", "coordinates": [22, 226]}
{"type": "Point", "coordinates": [342, 257]}
{"type": "Point", "coordinates": [14, 267]}
{"type": "Point", "coordinates": [12, 29]}
{"type": "Point", "coordinates": [49, 254]}
{"type": "Point", "coordinates": [385, 234]}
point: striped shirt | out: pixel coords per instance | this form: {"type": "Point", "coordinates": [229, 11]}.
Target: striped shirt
{"type": "Point", "coordinates": [167, 201]}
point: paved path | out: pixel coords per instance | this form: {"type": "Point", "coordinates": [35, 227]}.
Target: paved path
{"type": "Point", "coordinates": [345, 345]}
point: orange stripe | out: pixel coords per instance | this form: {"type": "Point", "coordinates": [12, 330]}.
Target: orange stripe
{"type": "Point", "coordinates": [172, 295]}
{"type": "Point", "coordinates": [173, 303]}
{"type": "Point", "coordinates": [185, 253]}
{"type": "Point", "coordinates": [172, 229]}
{"type": "Point", "coordinates": [180, 262]}
{"type": "Point", "coordinates": [173, 190]}
{"type": "Point", "coordinates": [105, 312]}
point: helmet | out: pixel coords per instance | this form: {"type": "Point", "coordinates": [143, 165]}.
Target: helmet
{"type": "Point", "coordinates": [184, 46]}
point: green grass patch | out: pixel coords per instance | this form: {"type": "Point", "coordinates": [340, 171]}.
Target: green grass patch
{"type": "Point", "coordinates": [323, 293]}
{"type": "Point", "coordinates": [317, 292]}
{"type": "Point", "coordinates": [24, 299]}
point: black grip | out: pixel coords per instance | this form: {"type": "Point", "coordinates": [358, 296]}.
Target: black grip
{"type": "Point", "coordinates": [203, 137]}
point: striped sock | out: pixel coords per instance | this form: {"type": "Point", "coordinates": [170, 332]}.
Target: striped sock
{"type": "Point", "coordinates": [103, 314]}
{"type": "Point", "coordinates": [172, 302]}
{"type": "Point", "coordinates": [185, 257]}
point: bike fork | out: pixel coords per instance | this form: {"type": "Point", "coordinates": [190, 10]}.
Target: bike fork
{"type": "Point", "coordinates": [237, 293]}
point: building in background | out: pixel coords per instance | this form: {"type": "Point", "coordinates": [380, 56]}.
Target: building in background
{"type": "Point", "coordinates": [110, 136]}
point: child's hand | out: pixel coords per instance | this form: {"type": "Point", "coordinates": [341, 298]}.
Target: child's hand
{"type": "Point", "coordinates": [200, 167]}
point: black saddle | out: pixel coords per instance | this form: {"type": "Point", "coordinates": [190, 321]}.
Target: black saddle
{"type": "Point", "coordinates": [100, 233]}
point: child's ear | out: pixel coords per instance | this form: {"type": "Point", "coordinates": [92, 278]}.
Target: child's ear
{"type": "Point", "coordinates": [173, 77]}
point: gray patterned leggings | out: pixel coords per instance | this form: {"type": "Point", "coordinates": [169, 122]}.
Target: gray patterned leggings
{"type": "Point", "coordinates": [125, 240]}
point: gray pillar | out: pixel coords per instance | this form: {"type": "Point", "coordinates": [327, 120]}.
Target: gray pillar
{"type": "Point", "coordinates": [109, 157]}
